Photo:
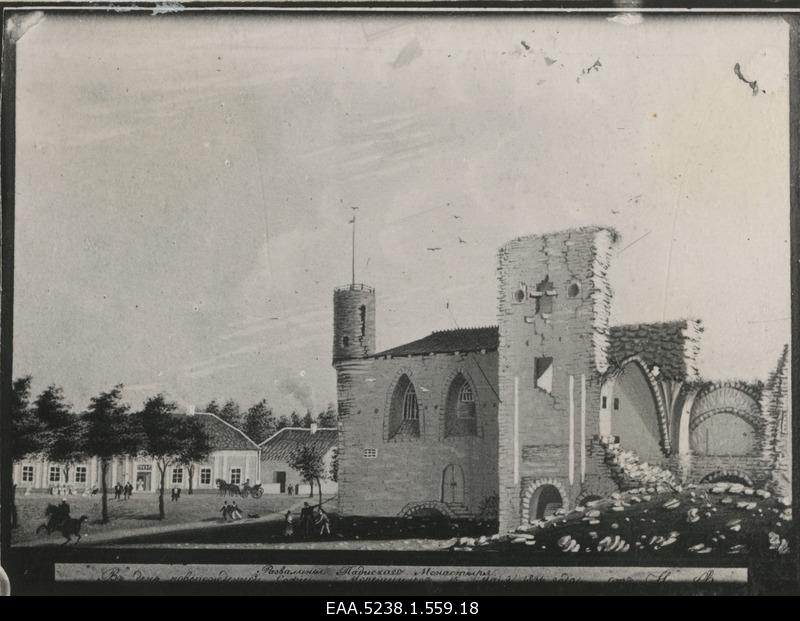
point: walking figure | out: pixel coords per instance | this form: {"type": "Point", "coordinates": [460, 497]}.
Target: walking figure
{"type": "Point", "coordinates": [289, 527]}
{"type": "Point", "coordinates": [226, 511]}
{"type": "Point", "coordinates": [117, 491]}
{"type": "Point", "coordinates": [235, 511]}
{"type": "Point", "coordinates": [306, 520]}
{"type": "Point", "coordinates": [323, 523]}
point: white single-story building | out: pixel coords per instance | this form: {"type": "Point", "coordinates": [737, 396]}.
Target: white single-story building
{"type": "Point", "coordinates": [235, 459]}
{"type": "Point", "coordinates": [278, 476]}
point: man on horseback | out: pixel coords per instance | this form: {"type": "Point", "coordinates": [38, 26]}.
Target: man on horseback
{"type": "Point", "coordinates": [56, 516]}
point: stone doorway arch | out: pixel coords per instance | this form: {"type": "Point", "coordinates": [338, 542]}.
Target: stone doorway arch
{"type": "Point", "coordinates": [542, 498]}
{"type": "Point", "coordinates": [453, 485]}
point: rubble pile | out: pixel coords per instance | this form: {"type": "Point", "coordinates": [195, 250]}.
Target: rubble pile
{"type": "Point", "coordinates": [630, 472]}
{"type": "Point", "coordinates": [717, 519]}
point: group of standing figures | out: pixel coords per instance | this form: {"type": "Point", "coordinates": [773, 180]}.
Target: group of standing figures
{"type": "Point", "coordinates": [313, 522]}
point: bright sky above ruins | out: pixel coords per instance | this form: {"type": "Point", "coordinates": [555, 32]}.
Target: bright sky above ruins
{"type": "Point", "coordinates": [184, 186]}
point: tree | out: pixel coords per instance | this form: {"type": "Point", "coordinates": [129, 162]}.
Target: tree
{"type": "Point", "coordinates": [329, 418]}
{"type": "Point", "coordinates": [169, 439]}
{"type": "Point", "coordinates": [25, 430]}
{"type": "Point", "coordinates": [108, 434]}
{"type": "Point", "coordinates": [295, 420]}
{"type": "Point", "coordinates": [308, 420]}
{"type": "Point", "coordinates": [231, 413]}
{"type": "Point", "coordinates": [62, 428]}
{"type": "Point", "coordinates": [259, 423]}
{"type": "Point", "coordinates": [212, 407]}
{"type": "Point", "coordinates": [334, 468]}
{"type": "Point", "coordinates": [283, 421]}
{"type": "Point", "coordinates": [309, 462]}
{"type": "Point", "coordinates": [196, 446]}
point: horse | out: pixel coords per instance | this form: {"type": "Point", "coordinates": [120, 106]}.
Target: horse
{"type": "Point", "coordinates": [71, 526]}
{"type": "Point", "coordinates": [226, 488]}
{"type": "Point", "coordinates": [52, 513]}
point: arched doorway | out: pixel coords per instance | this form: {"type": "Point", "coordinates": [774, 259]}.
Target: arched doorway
{"type": "Point", "coordinates": [453, 485]}
{"type": "Point", "coordinates": [546, 500]}
{"type": "Point", "coordinates": [727, 477]}
{"type": "Point", "coordinates": [634, 413]}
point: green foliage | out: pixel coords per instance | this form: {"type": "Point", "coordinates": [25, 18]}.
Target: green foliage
{"type": "Point", "coordinates": [259, 423]}
{"type": "Point", "coordinates": [169, 438]}
{"type": "Point", "coordinates": [333, 473]}
{"type": "Point", "coordinates": [63, 429]}
{"type": "Point", "coordinates": [108, 426]}
{"type": "Point", "coordinates": [231, 413]}
{"type": "Point", "coordinates": [27, 432]}
{"type": "Point", "coordinates": [329, 418]}
{"type": "Point", "coordinates": [308, 461]}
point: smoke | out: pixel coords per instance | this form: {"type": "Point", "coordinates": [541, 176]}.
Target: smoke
{"type": "Point", "coordinates": [300, 389]}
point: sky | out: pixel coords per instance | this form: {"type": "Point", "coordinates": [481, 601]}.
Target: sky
{"type": "Point", "coordinates": [184, 186]}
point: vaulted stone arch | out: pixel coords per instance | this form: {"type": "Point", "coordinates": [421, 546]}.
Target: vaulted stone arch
{"type": "Point", "coordinates": [740, 428]}
{"type": "Point", "coordinates": [656, 394]}
{"type": "Point", "coordinates": [531, 495]}
{"type": "Point", "coordinates": [426, 508]}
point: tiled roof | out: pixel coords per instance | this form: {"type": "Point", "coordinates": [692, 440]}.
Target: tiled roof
{"type": "Point", "coordinates": [224, 436]}
{"type": "Point", "coordinates": [672, 346]}
{"type": "Point", "coordinates": [283, 443]}
{"type": "Point", "coordinates": [448, 341]}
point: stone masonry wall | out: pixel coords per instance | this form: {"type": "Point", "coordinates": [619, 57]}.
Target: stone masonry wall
{"type": "Point", "coordinates": [410, 470]}
{"type": "Point", "coordinates": [550, 426]}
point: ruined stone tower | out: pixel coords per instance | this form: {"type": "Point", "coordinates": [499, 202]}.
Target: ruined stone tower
{"type": "Point", "coordinates": [553, 332]}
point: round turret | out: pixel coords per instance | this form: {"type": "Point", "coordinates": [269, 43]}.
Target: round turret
{"type": "Point", "coordinates": [353, 322]}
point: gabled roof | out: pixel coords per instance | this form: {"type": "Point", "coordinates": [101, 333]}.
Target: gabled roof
{"type": "Point", "coordinates": [222, 435]}
{"type": "Point", "coordinates": [448, 341]}
{"type": "Point", "coordinates": [672, 346]}
{"type": "Point", "coordinates": [282, 444]}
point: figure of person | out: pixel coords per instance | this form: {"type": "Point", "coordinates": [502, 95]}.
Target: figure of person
{"type": "Point", "coordinates": [129, 489]}
{"type": "Point", "coordinates": [139, 485]}
{"type": "Point", "coordinates": [307, 520]}
{"type": "Point", "coordinates": [174, 496]}
{"type": "Point", "coordinates": [226, 511]}
{"type": "Point", "coordinates": [117, 490]}
{"type": "Point", "coordinates": [236, 513]}
{"type": "Point", "coordinates": [289, 490]}
{"type": "Point", "coordinates": [288, 530]}
{"type": "Point", "coordinates": [323, 523]}
{"type": "Point", "coordinates": [62, 513]}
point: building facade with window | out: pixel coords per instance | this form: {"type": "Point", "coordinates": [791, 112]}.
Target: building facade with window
{"type": "Point", "coordinates": [278, 476]}
{"type": "Point", "coordinates": [234, 458]}
{"type": "Point", "coordinates": [418, 423]}
{"type": "Point", "coordinates": [526, 416]}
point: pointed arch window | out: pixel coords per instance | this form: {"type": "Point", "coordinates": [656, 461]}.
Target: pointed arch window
{"type": "Point", "coordinates": [410, 405]}
{"type": "Point", "coordinates": [403, 415]}
{"type": "Point", "coordinates": [460, 413]}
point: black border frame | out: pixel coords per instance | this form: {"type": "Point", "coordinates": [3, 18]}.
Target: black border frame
{"type": "Point", "coordinates": [31, 570]}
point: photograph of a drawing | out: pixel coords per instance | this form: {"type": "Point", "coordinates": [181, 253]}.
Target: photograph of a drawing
{"type": "Point", "coordinates": [496, 284]}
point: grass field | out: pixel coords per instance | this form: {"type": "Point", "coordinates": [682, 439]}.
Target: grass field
{"type": "Point", "coordinates": [141, 511]}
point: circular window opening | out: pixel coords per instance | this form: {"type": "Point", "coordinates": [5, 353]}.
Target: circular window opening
{"type": "Point", "coordinates": [573, 290]}
{"type": "Point", "coordinates": [345, 341]}
{"type": "Point", "coordinates": [519, 295]}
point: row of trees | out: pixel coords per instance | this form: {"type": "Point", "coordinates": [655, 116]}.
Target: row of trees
{"type": "Point", "coordinates": [259, 421]}
{"type": "Point", "coordinates": [48, 427]}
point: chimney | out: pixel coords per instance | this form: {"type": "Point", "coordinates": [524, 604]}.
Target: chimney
{"type": "Point", "coordinates": [313, 428]}
{"type": "Point", "coordinates": [190, 410]}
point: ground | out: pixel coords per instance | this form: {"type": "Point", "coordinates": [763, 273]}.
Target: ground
{"type": "Point", "coordinates": [720, 520]}
{"type": "Point", "coordinates": [139, 514]}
